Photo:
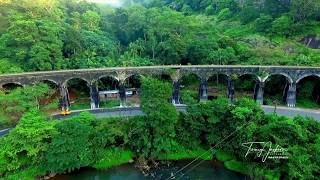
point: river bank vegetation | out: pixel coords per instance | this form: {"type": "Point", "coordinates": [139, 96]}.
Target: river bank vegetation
{"type": "Point", "coordinates": [37, 147]}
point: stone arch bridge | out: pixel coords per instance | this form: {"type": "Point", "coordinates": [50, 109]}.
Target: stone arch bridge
{"type": "Point", "coordinates": [293, 75]}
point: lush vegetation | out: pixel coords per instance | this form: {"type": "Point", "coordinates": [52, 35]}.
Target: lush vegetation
{"type": "Point", "coordinates": [69, 34]}
{"type": "Point", "coordinates": [37, 146]}
{"type": "Point", "coordinates": [18, 101]}
{"type": "Point", "coordinates": [60, 34]}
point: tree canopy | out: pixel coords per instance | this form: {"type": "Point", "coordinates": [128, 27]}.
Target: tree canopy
{"type": "Point", "coordinates": [61, 34]}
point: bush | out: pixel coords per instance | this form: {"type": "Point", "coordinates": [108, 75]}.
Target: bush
{"type": "Point", "coordinates": [248, 14]}
{"type": "Point", "coordinates": [181, 152]}
{"type": "Point", "coordinates": [25, 145]}
{"type": "Point", "coordinates": [224, 14]}
{"type": "Point", "coordinates": [282, 26]}
{"type": "Point", "coordinates": [109, 103]}
{"type": "Point", "coordinates": [113, 157]}
{"type": "Point", "coordinates": [189, 97]}
{"type": "Point", "coordinates": [237, 166]}
{"type": "Point", "coordinates": [223, 156]}
{"type": "Point", "coordinates": [70, 147]}
{"type": "Point", "coordinates": [263, 23]}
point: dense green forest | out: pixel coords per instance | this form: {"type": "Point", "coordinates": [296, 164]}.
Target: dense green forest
{"type": "Point", "coordinates": [38, 147]}
{"type": "Point", "coordinates": [67, 34]}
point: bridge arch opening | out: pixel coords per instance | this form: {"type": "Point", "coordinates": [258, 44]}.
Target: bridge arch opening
{"type": "Point", "coordinates": [79, 93]}
{"type": "Point", "coordinates": [11, 86]}
{"type": "Point", "coordinates": [189, 89]}
{"type": "Point", "coordinates": [245, 86]}
{"type": "Point", "coordinates": [49, 82]}
{"type": "Point", "coordinates": [275, 89]}
{"type": "Point", "coordinates": [306, 76]}
{"type": "Point", "coordinates": [308, 92]}
{"type": "Point", "coordinates": [217, 86]}
{"type": "Point", "coordinates": [165, 77]}
{"type": "Point", "coordinates": [108, 88]}
{"type": "Point", "coordinates": [132, 86]}
{"type": "Point", "coordinates": [50, 102]}
{"type": "Point", "coordinates": [288, 78]}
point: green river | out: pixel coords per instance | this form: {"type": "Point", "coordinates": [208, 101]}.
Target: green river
{"type": "Point", "coordinates": [206, 170]}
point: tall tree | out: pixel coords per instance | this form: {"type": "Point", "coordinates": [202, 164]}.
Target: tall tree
{"type": "Point", "coordinates": [159, 126]}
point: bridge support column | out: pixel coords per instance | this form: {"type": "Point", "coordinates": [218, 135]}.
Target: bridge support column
{"type": "Point", "coordinates": [259, 90]}
{"type": "Point", "coordinates": [94, 96]}
{"type": "Point", "coordinates": [291, 95]}
{"type": "Point", "coordinates": [176, 93]}
{"type": "Point", "coordinates": [230, 94]}
{"type": "Point", "coordinates": [64, 99]}
{"type": "Point", "coordinates": [122, 94]}
{"type": "Point", "coordinates": [203, 90]}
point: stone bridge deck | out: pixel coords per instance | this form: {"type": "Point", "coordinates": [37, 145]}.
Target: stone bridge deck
{"type": "Point", "coordinates": [293, 75]}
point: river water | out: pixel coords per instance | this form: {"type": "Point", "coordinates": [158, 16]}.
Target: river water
{"type": "Point", "coordinates": [206, 170]}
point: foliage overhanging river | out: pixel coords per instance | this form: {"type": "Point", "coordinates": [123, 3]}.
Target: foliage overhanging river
{"type": "Point", "coordinates": [196, 171]}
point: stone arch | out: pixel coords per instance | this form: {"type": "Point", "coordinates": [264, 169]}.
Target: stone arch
{"type": "Point", "coordinates": [308, 91]}
{"type": "Point", "coordinates": [289, 79]}
{"type": "Point", "coordinates": [163, 72]}
{"type": "Point", "coordinates": [246, 85]}
{"type": "Point", "coordinates": [186, 74]}
{"type": "Point", "coordinates": [78, 94]}
{"type": "Point", "coordinates": [189, 85]}
{"type": "Point", "coordinates": [53, 96]}
{"type": "Point", "coordinates": [276, 88]}
{"type": "Point", "coordinates": [162, 76]}
{"type": "Point", "coordinates": [217, 84]}
{"type": "Point", "coordinates": [131, 75]}
{"type": "Point", "coordinates": [107, 87]}
{"type": "Point", "coordinates": [190, 73]}
{"type": "Point", "coordinates": [132, 85]}
{"type": "Point", "coordinates": [165, 76]}
{"type": "Point", "coordinates": [218, 73]}
{"type": "Point", "coordinates": [81, 78]}
{"type": "Point", "coordinates": [305, 76]}
{"type": "Point", "coordinates": [49, 80]}
{"type": "Point", "coordinates": [106, 76]}
{"type": "Point", "coordinates": [250, 74]}
{"type": "Point", "coordinates": [210, 75]}
{"type": "Point", "coordinates": [15, 83]}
